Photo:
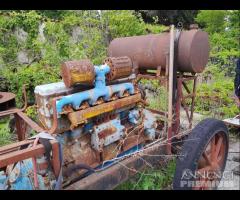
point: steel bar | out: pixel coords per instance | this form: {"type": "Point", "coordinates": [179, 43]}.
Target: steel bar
{"type": "Point", "coordinates": [170, 86]}
{"type": "Point", "coordinates": [18, 155]}
{"type": "Point", "coordinates": [30, 122]}
{"type": "Point", "coordinates": [14, 146]}
{"type": "Point", "coordinates": [21, 127]}
{"type": "Point", "coordinates": [186, 88]}
{"type": "Point", "coordinates": [193, 101]}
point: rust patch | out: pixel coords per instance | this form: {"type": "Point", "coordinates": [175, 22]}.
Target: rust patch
{"type": "Point", "coordinates": [74, 72]}
{"type": "Point", "coordinates": [149, 51]}
{"type": "Point", "coordinates": [109, 152]}
{"type": "Point", "coordinates": [7, 100]}
{"type": "Point", "coordinates": [6, 96]}
{"type": "Point", "coordinates": [121, 67]}
{"type": "Point", "coordinates": [81, 116]}
{"type": "Point", "coordinates": [106, 132]}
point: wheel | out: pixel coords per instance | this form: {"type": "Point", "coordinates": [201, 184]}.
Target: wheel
{"type": "Point", "coordinates": [203, 158]}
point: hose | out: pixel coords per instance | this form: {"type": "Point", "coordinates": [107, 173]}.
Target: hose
{"type": "Point", "coordinates": [73, 168]}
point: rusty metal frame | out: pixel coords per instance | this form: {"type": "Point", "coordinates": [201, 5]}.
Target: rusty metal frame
{"type": "Point", "coordinates": [21, 119]}
{"type": "Point", "coordinates": [182, 83]}
{"type": "Point", "coordinates": [15, 110]}
{"type": "Point", "coordinates": [182, 80]}
{"type": "Point", "coordinates": [13, 153]}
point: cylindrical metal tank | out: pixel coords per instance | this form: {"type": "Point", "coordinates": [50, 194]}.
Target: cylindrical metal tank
{"type": "Point", "coordinates": [120, 67]}
{"type": "Point", "coordinates": [149, 51]}
{"type": "Point", "coordinates": [74, 72]}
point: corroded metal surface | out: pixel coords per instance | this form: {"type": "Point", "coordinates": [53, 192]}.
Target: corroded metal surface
{"type": "Point", "coordinates": [74, 72]}
{"type": "Point", "coordinates": [44, 95]}
{"type": "Point", "coordinates": [6, 96]}
{"type": "Point", "coordinates": [10, 107]}
{"type": "Point", "coordinates": [149, 51]}
{"type": "Point", "coordinates": [81, 116]}
{"type": "Point", "coordinates": [120, 172]}
{"type": "Point", "coordinates": [7, 100]}
{"type": "Point", "coordinates": [22, 121]}
{"type": "Point", "coordinates": [121, 67]}
{"type": "Point", "coordinates": [10, 154]}
{"type": "Point", "coordinates": [81, 152]}
{"type": "Point", "coordinates": [193, 51]}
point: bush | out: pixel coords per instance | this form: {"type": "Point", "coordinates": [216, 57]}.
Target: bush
{"type": "Point", "coordinates": [31, 76]}
{"type": "Point", "coordinates": [94, 32]}
{"type": "Point", "coordinates": [5, 135]}
{"type": "Point", "coordinates": [215, 98]}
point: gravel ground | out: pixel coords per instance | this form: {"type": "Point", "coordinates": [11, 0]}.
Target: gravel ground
{"type": "Point", "coordinates": [231, 181]}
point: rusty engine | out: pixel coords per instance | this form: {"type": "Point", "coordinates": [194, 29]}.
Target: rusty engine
{"type": "Point", "coordinates": [97, 112]}
{"type": "Point", "coordinates": [96, 120]}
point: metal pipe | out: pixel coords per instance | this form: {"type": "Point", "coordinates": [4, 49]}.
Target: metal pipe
{"type": "Point", "coordinates": [170, 82]}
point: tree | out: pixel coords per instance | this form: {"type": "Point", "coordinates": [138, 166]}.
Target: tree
{"type": "Point", "coordinates": [168, 17]}
{"type": "Point", "coordinates": [212, 20]}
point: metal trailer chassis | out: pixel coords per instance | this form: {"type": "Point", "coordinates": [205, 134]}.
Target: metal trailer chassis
{"type": "Point", "coordinates": [211, 133]}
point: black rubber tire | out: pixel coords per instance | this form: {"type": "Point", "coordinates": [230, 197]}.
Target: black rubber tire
{"type": "Point", "coordinates": [193, 148]}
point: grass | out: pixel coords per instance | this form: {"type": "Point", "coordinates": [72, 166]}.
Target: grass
{"type": "Point", "coordinates": [5, 135]}
{"type": "Point", "coordinates": [149, 179]}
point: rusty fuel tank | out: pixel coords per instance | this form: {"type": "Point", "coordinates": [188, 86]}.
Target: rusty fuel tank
{"type": "Point", "coordinates": [120, 67]}
{"type": "Point", "coordinates": [81, 71]}
{"type": "Point", "coordinates": [149, 51]}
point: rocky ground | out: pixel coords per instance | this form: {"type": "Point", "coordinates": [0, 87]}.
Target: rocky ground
{"type": "Point", "coordinates": [231, 181]}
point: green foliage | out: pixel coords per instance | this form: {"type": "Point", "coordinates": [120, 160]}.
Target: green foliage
{"type": "Point", "coordinates": [216, 98]}
{"type": "Point", "coordinates": [31, 112]}
{"type": "Point", "coordinates": [123, 23]}
{"type": "Point", "coordinates": [5, 135]}
{"type": "Point", "coordinates": [155, 29]}
{"type": "Point", "coordinates": [213, 20]}
{"type": "Point", "coordinates": [53, 14]}
{"type": "Point", "coordinates": [92, 34]}
{"type": "Point", "coordinates": [151, 179]}
{"type": "Point", "coordinates": [31, 76]}
{"type": "Point", "coordinates": [160, 102]}
{"type": "Point", "coordinates": [168, 17]}
{"type": "Point", "coordinates": [29, 22]}
{"type": "Point", "coordinates": [223, 28]}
